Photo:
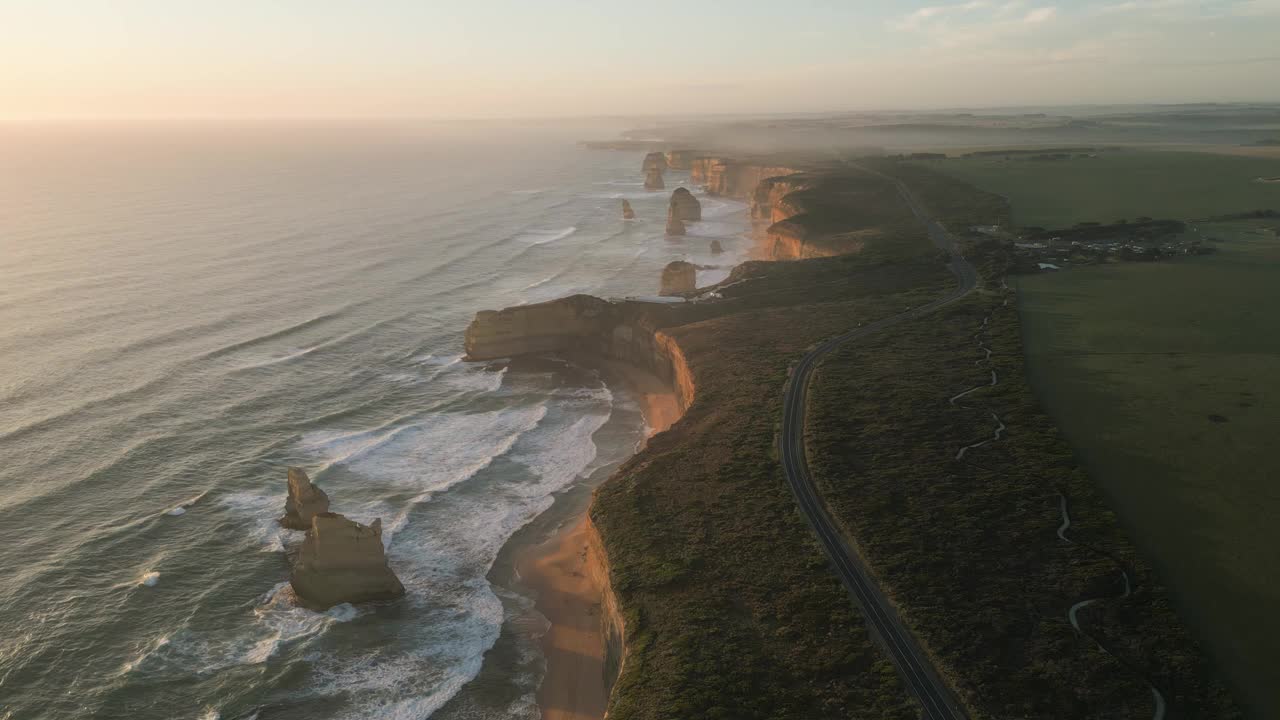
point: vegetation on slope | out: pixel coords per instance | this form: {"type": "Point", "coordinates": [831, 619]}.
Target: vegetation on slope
{"type": "Point", "coordinates": [731, 609]}
{"type": "Point", "coordinates": [968, 548]}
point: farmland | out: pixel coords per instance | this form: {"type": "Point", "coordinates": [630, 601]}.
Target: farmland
{"type": "Point", "coordinates": [1164, 377]}
{"type": "Point", "coordinates": [1118, 184]}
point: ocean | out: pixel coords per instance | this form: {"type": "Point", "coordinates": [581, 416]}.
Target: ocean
{"type": "Point", "coordinates": [186, 311]}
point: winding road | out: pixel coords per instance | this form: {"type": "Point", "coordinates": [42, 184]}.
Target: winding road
{"type": "Point", "coordinates": [922, 679]}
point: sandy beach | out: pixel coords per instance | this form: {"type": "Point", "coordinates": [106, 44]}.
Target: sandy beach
{"type": "Point", "coordinates": [567, 581]}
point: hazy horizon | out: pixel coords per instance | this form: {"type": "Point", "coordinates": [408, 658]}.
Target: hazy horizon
{"type": "Point", "coordinates": [148, 60]}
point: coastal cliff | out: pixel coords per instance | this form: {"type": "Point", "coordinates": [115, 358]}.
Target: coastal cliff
{"type": "Point", "coordinates": [626, 331]}
{"type": "Point", "coordinates": [640, 335]}
{"type": "Point", "coordinates": [731, 178]}
{"type": "Point", "coordinates": [768, 199]}
{"type": "Point", "coordinates": [612, 626]}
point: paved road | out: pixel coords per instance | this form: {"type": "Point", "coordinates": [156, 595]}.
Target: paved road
{"type": "Point", "coordinates": [922, 679]}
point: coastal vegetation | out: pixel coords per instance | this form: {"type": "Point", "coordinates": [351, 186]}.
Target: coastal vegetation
{"type": "Point", "coordinates": [967, 547]}
{"type": "Point", "coordinates": [731, 610]}
{"type": "Point", "coordinates": [729, 607]}
{"type": "Point", "coordinates": [1158, 374]}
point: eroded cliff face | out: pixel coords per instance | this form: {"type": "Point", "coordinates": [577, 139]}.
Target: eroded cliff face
{"type": "Point", "coordinates": [790, 240]}
{"type": "Point", "coordinates": [768, 198]}
{"type": "Point", "coordinates": [571, 324]}
{"type": "Point", "coordinates": [625, 331]}
{"type": "Point", "coordinates": [680, 159]}
{"type": "Point", "coordinates": [612, 626]}
{"type": "Point", "coordinates": [733, 178]}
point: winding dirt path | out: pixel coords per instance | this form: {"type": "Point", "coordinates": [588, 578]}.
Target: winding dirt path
{"type": "Point", "coordinates": [1158, 700]}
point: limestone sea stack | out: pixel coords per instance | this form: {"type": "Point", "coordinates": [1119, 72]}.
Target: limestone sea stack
{"type": "Point", "coordinates": [654, 161]}
{"type": "Point", "coordinates": [305, 501]}
{"type": "Point", "coordinates": [674, 225]}
{"type": "Point", "coordinates": [678, 278]}
{"type": "Point", "coordinates": [653, 179]}
{"type": "Point", "coordinates": [716, 247]}
{"type": "Point", "coordinates": [684, 206]}
{"type": "Point", "coordinates": [343, 561]}
{"type": "Point", "coordinates": [627, 212]}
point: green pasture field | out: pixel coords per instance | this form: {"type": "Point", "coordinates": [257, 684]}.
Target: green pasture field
{"type": "Point", "coordinates": [1118, 184]}
{"type": "Point", "coordinates": [1166, 379]}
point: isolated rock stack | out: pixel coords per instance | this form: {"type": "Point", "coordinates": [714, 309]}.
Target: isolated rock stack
{"type": "Point", "coordinates": [678, 278]}
{"type": "Point", "coordinates": [716, 247]}
{"type": "Point", "coordinates": [627, 212]}
{"type": "Point", "coordinates": [341, 560]}
{"type": "Point", "coordinates": [305, 501]}
{"type": "Point", "coordinates": [653, 165]}
{"type": "Point", "coordinates": [684, 206]}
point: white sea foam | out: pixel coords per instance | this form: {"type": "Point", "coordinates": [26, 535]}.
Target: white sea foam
{"type": "Point", "coordinates": [138, 660]}
{"type": "Point", "coordinates": [429, 455]}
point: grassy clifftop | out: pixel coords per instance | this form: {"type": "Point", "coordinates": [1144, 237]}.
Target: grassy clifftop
{"type": "Point", "coordinates": [731, 609]}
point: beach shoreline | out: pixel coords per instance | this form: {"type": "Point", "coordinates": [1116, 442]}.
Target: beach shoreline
{"type": "Point", "coordinates": [567, 576]}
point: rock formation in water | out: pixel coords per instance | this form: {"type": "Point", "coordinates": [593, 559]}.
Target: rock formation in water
{"type": "Point", "coordinates": [654, 161]}
{"type": "Point", "coordinates": [675, 226]}
{"type": "Point", "coordinates": [343, 561]}
{"type": "Point", "coordinates": [716, 247]}
{"type": "Point", "coordinates": [653, 179]}
{"type": "Point", "coordinates": [678, 278]}
{"type": "Point", "coordinates": [627, 212]}
{"type": "Point", "coordinates": [305, 501]}
{"type": "Point", "coordinates": [684, 205]}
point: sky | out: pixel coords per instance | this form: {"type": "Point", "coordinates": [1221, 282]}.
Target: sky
{"type": "Point", "coordinates": [251, 59]}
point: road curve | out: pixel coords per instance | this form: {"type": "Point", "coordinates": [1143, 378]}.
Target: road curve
{"type": "Point", "coordinates": [922, 679]}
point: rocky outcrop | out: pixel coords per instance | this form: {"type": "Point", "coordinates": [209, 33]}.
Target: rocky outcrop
{"type": "Point", "coordinates": [612, 625]}
{"type": "Point", "coordinates": [567, 324]}
{"type": "Point", "coordinates": [305, 501]}
{"type": "Point", "coordinates": [343, 561]}
{"type": "Point", "coordinates": [716, 247]}
{"type": "Point", "coordinates": [681, 159]}
{"type": "Point", "coordinates": [794, 240]}
{"type": "Point", "coordinates": [733, 178]}
{"type": "Point", "coordinates": [768, 200]}
{"type": "Point", "coordinates": [627, 212]}
{"type": "Point", "coordinates": [654, 161]}
{"type": "Point", "coordinates": [653, 180]}
{"type": "Point", "coordinates": [675, 226]}
{"type": "Point", "coordinates": [679, 278]}
{"type": "Point", "coordinates": [582, 324]}
{"type": "Point", "coordinates": [684, 206]}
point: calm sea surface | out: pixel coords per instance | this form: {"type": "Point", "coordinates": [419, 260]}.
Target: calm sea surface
{"type": "Point", "coordinates": [186, 312]}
